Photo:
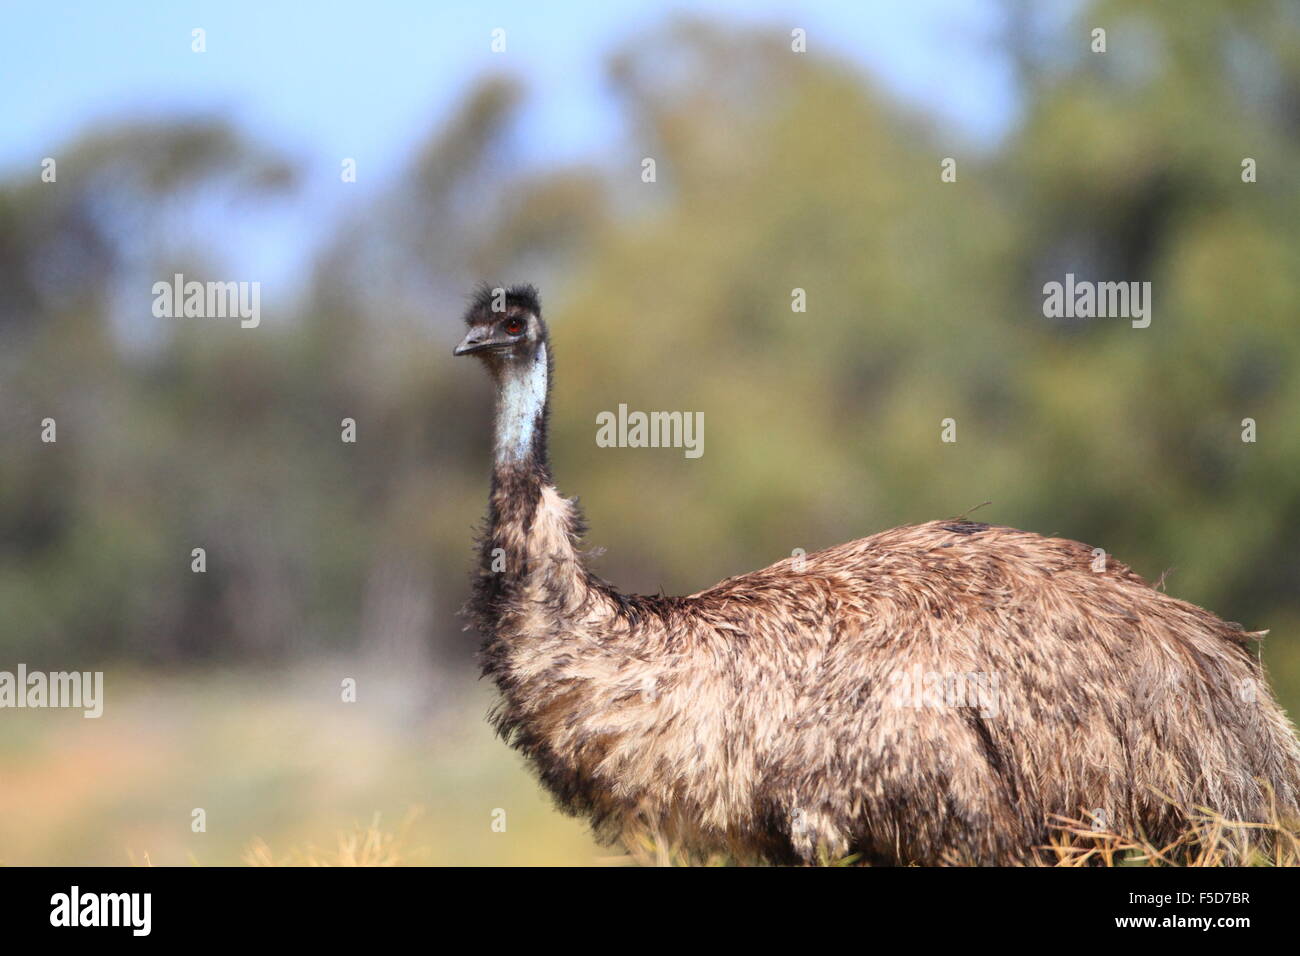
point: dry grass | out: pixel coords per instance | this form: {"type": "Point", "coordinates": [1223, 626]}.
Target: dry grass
{"type": "Point", "coordinates": [1208, 840]}
{"type": "Point", "coordinates": [360, 846]}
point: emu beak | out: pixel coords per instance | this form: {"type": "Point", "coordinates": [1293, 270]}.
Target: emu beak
{"type": "Point", "coordinates": [475, 340]}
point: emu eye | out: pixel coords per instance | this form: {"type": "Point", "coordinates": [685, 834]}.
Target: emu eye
{"type": "Point", "coordinates": [515, 326]}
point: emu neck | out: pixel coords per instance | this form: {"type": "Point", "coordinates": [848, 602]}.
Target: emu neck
{"type": "Point", "coordinates": [531, 569]}
{"type": "Point", "coordinates": [521, 413]}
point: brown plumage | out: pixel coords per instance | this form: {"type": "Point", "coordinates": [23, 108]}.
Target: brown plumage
{"type": "Point", "coordinates": [940, 692]}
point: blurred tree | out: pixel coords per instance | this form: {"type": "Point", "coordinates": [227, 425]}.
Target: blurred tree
{"type": "Point", "coordinates": [777, 172]}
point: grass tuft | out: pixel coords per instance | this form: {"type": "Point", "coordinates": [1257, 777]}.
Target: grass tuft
{"type": "Point", "coordinates": [1209, 839]}
{"type": "Point", "coordinates": [361, 846]}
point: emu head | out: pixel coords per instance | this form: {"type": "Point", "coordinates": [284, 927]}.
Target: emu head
{"type": "Point", "coordinates": [506, 330]}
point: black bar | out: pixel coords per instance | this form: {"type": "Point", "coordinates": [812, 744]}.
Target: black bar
{"type": "Point", "coordinates": [838, 906]}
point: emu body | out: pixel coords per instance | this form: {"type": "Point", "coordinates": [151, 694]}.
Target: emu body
{"type": "Point", "coordinates": [770, 716]}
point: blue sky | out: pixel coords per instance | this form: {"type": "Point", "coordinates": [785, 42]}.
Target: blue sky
{"type": "Point", "coordinates": [360, 79]}
{"type": "Point", "coordinates": [324, 80]}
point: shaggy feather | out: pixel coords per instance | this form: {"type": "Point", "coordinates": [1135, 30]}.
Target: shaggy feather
{"type": "Point", "coordinates": [761, 717]}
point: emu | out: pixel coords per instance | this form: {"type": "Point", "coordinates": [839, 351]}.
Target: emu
{"type": "Point", "coordinates": [774, 716]}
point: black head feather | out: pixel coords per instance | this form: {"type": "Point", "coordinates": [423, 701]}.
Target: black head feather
{"type": "Point", "coordinates": [525, 298]}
